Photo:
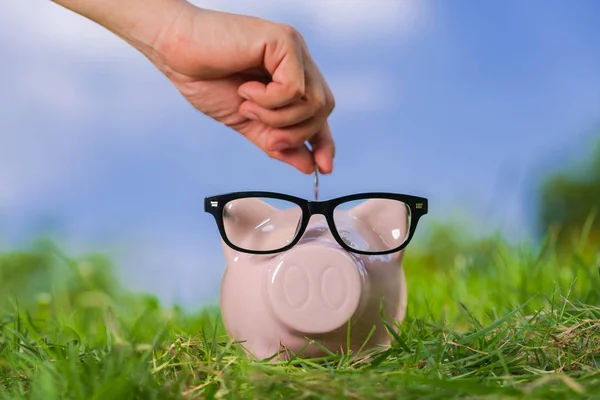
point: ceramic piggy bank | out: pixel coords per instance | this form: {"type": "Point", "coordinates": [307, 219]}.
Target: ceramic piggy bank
{"type": "Point", "coordinates": [299, 272]}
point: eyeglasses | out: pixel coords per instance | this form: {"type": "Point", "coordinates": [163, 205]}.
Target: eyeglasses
{"type": "Point", "coordinates": [364, 223]}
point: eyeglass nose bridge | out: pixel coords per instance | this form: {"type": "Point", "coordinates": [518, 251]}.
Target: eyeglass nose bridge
{"type": "Point", "coordinates": [318, 207]}
{"type": "Point", "coordinates": [322, 208]}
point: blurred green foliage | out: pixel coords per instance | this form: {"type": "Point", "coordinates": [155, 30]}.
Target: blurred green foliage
{"type": "Point", "coordinates": [569, 202]}
{"type": "Point", "coordinates": [82, 297]}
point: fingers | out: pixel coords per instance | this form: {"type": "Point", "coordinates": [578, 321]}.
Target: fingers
{"type": "Point", "coordinates": [294, 107]}
{"type": "Point", "coordinates": [295, 135]}
{"type": "Point", "coordinates": [283, 59]}
{"type": "Point", "coordinates": [300, 158]}
{"type": "Point", "coordinates": [280, 117]}
{"type": "Point", "coordinates": [288, 146]}
{"type": "Point", "coordinates": [296, 123]}
{"type": "Point", "coordinates": [323, 149]}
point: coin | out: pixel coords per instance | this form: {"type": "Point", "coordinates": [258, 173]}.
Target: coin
{"type": "Point", "coordinates": [316, 183]}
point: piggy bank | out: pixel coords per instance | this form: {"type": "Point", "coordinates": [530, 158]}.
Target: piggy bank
{"type": "Point", "coordinates": [303, 272]}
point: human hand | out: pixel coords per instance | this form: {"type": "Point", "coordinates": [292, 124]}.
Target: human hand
{"type": "Point", "coordinates": [254, 76]}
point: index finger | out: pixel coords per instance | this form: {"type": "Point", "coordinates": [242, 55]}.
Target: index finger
{"type": "Point", "coordinates": [323, 149]}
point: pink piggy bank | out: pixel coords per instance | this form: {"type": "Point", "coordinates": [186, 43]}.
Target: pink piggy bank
{"type": "Point", "coordinates": [299, 272]}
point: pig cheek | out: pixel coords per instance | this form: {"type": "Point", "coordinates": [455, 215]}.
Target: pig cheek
{"type": "Point", "coordinates": [359, 234]}
{"type": "Point", "coordinates": [388, 287]}
{"type": "Point", "coordinates": [244, 314]}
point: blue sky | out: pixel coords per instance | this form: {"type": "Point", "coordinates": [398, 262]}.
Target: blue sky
{"type": "Point", "coordinates": [463, 102]}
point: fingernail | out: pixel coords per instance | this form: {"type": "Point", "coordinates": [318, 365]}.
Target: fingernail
{"type": "Point", "coordinates": [244, 94]}
{"type": "Point", "coordinates": [251, 115]}
{"type": "Point", "coordinates": [282, 146]}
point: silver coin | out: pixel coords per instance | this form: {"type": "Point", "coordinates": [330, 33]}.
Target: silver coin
{"type": "Point", "coordinates": [316, 183]}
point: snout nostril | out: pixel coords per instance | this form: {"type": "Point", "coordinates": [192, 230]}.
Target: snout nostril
{"type": "Point", "coordinates": [332, 291]}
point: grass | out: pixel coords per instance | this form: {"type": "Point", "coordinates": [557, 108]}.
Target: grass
{"type": "Point", "coordinates": [486, 320]}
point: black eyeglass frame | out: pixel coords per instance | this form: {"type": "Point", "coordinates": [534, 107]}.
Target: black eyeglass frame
{"type": "Point", "coordinates": [418, 207]}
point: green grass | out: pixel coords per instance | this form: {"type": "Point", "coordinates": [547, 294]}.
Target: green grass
{"type": "Point", "coordinates": [485, 320]}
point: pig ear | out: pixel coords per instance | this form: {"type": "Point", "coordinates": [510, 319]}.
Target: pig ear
{"type": "Point", "coordinates": [244, 215]}
{"type": "Point", "coordinates": [389, 219]}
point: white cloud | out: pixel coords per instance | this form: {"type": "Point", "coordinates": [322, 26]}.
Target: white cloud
{"type": "Point", "coordinates": [348, 20]}
{"type": "Point", "coordinates": [44, 21]}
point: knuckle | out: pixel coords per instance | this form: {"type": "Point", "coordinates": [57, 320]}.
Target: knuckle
{"type": "Point", "coordinates": [271, 154]}
{"type": "Point", "coordinates": [308, 134]}
{"type": "Point", "coordinates": [299, 140]}
{"type": "Point", "coordinates": [330, 105]}
{"type": "Point", "coordinates": [290, 32]}
{"type": "Point", "coordinates": [329, 101]}
{"type": "Point", "coordinates": [296, 90]}
{"type": "Point", "coordinates": [294, 139]}
{"type": "Point", "coordinates": [246, 108]}
{"type": "Point", "coordinates": [319, 102]}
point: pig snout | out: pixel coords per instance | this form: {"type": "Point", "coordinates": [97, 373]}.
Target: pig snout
{"type": "Point", "coordinates": [315, 288]}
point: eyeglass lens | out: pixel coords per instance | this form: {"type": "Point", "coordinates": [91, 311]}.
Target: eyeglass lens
{"type": "Point", "coordinates": [268, 224]}
{"type": "Point", "coordinates": [372, 224]}
{"type": "Point", "coordinates": [261, 224]}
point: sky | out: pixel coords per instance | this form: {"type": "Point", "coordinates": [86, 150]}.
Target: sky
{"type": "Point", "coordinates": [465, 103]}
